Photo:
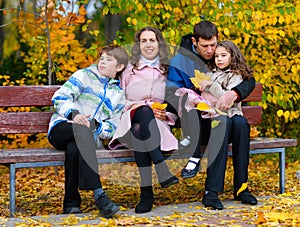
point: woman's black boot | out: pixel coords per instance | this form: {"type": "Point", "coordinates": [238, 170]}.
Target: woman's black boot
{"type": "Point", "coordinates": [146, 200]}
{"type": "Point", "coordinates": [165, 178]}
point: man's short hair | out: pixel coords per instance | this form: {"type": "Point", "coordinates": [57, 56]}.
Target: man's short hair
{"type": "Point", "coordinates": [205, 30]}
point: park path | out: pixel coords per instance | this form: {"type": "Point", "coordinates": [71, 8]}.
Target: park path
{"type": "Point", "coordinates": [188, 214]}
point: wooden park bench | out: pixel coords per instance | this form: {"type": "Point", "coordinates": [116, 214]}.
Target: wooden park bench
{"type": "Point", "coordinates": [36, 121]}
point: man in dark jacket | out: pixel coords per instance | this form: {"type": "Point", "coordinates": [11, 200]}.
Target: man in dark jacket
{"type": "Point", "coordinates": [195, 52]}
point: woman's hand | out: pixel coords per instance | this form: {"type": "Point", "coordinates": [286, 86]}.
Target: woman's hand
{"type": "Point", "coordinates": [160, 114]}
{"type": "Point", "coordinates": [82, 119]}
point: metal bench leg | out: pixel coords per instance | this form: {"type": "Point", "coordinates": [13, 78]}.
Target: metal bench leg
{"type": "Point", "coordinates": [282, 171]}
{"type": "Point", "coordinates": [12, 189]}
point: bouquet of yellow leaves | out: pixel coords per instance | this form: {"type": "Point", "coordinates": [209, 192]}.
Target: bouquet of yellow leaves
{"type": "Point", "coordinates": [199, 76]}
{"type": "Point", "coordinates": [159, 106]}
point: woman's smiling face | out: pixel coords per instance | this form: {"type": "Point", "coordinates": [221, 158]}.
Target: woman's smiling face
{"type": "Point", "coordinates": [149, 45]}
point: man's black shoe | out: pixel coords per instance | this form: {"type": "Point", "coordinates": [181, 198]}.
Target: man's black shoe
{"type": "Point", "coordinates": [189, 173]}
{"type": "Point", "coordinates": [106, 207]}
{"type": "Point", "coordinates": [246, 197]}
{"type": "Point", "coordinates": [72, 210]}
{"type": "Point", "coordinates": [212, 200]}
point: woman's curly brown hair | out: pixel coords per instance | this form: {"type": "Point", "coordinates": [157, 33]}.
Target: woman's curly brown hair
{"type": "Point", "coordinates": [163, 49]}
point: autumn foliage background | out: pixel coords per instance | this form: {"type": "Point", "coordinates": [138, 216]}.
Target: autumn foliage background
{"type": "Point", "coordinates": [45, 44]}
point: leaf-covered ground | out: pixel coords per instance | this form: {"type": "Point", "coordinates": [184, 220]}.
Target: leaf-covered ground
{"type": "Point", "coordinates": [40, 192]}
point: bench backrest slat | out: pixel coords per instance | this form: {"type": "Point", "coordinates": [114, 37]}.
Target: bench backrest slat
{"type": "Point", "coordinates": [13, 96]}
{"type": "Point", "coordinates": [40, 96]}
{"type": "Point", "coordinates": [255, 95]}
{"type": "Point", "coordinates": [24, 122]}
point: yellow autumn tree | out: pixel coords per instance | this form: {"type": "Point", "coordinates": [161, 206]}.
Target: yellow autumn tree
{"type": "Point", "coordinates": [267, 32]}
{"type": "Point", "coordinates": [67, 53]}
{"type": "Point", "coordinates": [49, 34]}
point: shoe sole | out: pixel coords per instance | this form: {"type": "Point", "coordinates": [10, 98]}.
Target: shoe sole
{"type": "Point", "coordinates": [191, 176]}
{"type": "Point", "coordinates": [112, 213]}
{"type": "Point", "coordinates": [171, 183]}
{"type": "Point", "coordinates": [215, 208]}
{"type": "Point", "coordinates": [243, 202]}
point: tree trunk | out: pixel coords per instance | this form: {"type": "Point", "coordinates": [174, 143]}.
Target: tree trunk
{"type": "Point", "coordinates": [2, 34]}
{"type": "Point", "coordinates": [112, 24]}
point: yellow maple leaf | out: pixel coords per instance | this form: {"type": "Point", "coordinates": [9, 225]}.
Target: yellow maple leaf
{"type": "Point", "coordinates": [203, 106]}
{"type": "Point", "coordinates": [159, 106]}
{"type": "Point", "coordinates": [242, 188]}
{"type": "Point", "coordinates": [253, 132]}
{"type": "Point", "coordinates": [215, 123]}
{"type": "Point", "coordinates": [199, 76]}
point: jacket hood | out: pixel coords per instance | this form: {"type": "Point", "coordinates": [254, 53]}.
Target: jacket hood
{"type": "Point", "coordinates": [186, 42]}
{"type": "Point", "coordinates": [186, 48]}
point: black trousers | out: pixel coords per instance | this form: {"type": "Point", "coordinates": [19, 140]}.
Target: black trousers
{"type": "Point", "coordinates": [233, 130]}
{"type": "Point", "coordinates": [81, 166]}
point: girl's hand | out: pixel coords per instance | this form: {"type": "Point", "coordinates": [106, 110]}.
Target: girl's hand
{"type": "Point", "coordinates": [160, 114]}
{"type": "Point", "coordinates": [82, 119]}
{"type": "Point", "coordinates": [204, 84]}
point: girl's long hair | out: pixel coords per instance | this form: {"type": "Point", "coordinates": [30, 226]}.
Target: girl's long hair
{"type": "Point", "coordinates": [163, 49]}
{"type": "Point", "coordinates": [238, 63]}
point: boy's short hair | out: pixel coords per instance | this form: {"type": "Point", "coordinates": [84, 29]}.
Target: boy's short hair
{"type": "Point", "coordinates": [205, 30]}
{"type": "Point", "coordinates": [117, 52]}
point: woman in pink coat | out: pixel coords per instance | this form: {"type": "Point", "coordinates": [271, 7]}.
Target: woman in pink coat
{"type": "Point", "coordinates": [143, 127]}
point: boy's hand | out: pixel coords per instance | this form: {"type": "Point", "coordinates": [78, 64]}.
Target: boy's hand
{"type": "Point", "coordinates": [82, 119]}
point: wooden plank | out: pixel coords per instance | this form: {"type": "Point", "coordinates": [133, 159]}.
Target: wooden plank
{"type": "Point", "coordinates": [50, 154]}
{"type": "Point", "coordinates": [13, 96]}
{"type": "Point", "coordinates": [263, 143]}
{"type": "Point", "coordinates": [253, 114]}
{"type": "Point", "coordinates": [255, 95]}
{"type": "Point", "coordinates": [24, 122]}
{"type": "Point", "coordinates": [266, 143]}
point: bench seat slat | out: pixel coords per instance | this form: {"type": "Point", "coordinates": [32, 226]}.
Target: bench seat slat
{"type": "Point", "coordinates": [50, 154]}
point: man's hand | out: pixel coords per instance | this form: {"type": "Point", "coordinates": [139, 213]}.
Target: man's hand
{"type": "Point", "coordinates": [226, 100]}
{"type": "Point", "coordinates": [204, 84]}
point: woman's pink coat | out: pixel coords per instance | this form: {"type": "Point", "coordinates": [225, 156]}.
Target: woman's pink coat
{"type": "Point", "coordinates": [143, 87]}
